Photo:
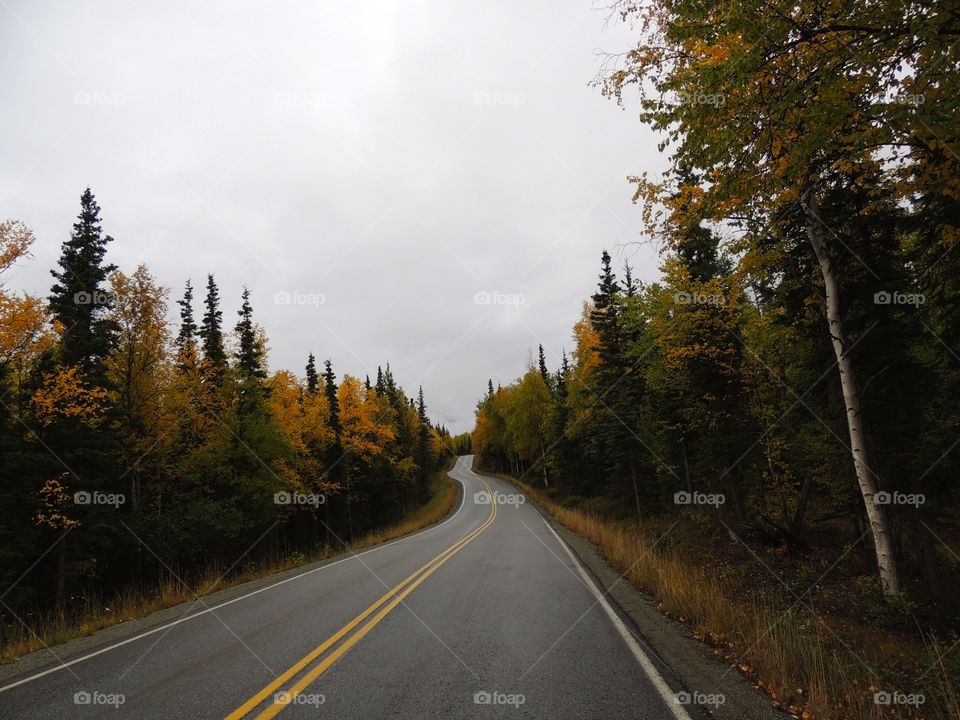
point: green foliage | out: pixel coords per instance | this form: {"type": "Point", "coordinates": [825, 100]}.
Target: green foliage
{"type": "Point", "coordinates": [208, 458]}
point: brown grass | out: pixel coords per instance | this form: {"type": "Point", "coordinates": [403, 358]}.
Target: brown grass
{"type": "Point", "coordinates": [53, 630]}
{"type": "Point", "coordinates": [810, 665]}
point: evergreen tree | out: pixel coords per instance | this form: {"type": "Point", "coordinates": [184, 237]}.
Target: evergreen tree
{"type": "Point", "coordinates": [211, 333]}
{"type": "Point", "coordinates": [619, 393]}
{"type": "Point", "coordinates": [79, 299]}
{"type": "Point", "coordinates": [423, 436]}
{"type": "Point", "coordinates": [186, 338]}
{"type": "Point", "coordinates": [605, 317]}
{"type": "Point", "coordinates": [544, 372]}
{"type": "Point", "coordinates": [629, 284]}
{"type": "Point", "coordinates": [330, 388]}
{"type": "Point", "coordinates": [250, 352]}
{"type": "Point", "coordinates": [313, 380]}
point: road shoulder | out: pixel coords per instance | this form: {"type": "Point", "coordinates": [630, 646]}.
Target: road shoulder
{"type": "Point", "coordinates": [129, 630]}
{"type": "Point", "coordinates": [669, 642]}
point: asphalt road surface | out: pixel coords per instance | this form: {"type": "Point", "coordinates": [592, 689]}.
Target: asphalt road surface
{"type": "Point", "coordinates": [486, 615]}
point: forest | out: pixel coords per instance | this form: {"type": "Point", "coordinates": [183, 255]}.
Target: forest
{"type": "Point", "coordinates": [801, 353]}
{"type": "Point", "coordinates": [136, 451]}
{"type": "Point", "coordinates": [792, 380]}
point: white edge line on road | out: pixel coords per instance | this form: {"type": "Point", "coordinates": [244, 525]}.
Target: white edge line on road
{"type": "Point", "coordinates": [668, 696]}
{"type": "Point", "coordinates": [159, 628]}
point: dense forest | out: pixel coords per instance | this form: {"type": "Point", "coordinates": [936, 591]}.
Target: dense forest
{"type": "Point", "coordinates": [133, 449]}
{"type": "Point", "coordinates": [795, 374]}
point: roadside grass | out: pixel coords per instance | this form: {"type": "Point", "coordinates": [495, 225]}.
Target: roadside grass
{"type": "Point", "coordinates": [94, 615]}
{"type": "Point", "coordinates": [812, 664]}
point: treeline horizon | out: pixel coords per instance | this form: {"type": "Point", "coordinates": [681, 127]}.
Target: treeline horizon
{"type": "Point", "coordinates": [133, 451]}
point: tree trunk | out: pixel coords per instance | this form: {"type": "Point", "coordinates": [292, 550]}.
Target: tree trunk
{"type": "Point", "coordinates": [877, 517]}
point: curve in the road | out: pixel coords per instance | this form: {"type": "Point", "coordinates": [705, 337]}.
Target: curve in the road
{"type": "Point", "coordinates": [282, 698]}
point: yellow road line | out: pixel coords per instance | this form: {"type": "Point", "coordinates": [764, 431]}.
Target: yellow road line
{"type": "Point", "coordinates": [419, 575]}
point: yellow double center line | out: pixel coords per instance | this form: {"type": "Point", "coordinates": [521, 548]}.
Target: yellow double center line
{"type": "Point", "coordinates": [385, 604]}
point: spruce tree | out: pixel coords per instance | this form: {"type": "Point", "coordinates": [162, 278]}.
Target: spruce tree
{"type": "Point", "coordinates": [544, 372]}
{"type": "Point", "coordinates": [330, 388]}
{"type": "Point", "coordinates": [211, 332]}
{"type": "Point", "coordinates": [186, 338]}
{"type": "Point", "coordinates": [629, 284]}
{"type": "Point", "coordinates": [422, 443]}
{"type": "Point", "coordinates": [313, 380]}
{"type": "Point", "coordinates": [605, 318]}
{"type": "Point", "coordinates": [79, 299]}
{"type": "Point", "coordinates": [250, 352]}
{"type": "Point", "coordinates": [619, 391]}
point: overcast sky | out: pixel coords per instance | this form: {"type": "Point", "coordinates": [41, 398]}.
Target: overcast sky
{"type": "Point", "coordinates": [365, 168]}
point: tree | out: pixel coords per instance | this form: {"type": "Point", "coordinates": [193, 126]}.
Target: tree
{"type": "Point", "coordinates": [313, 380]}
{"type": "Point", "coordinates": [363, 437]}
{"type": "Point", "coordinates": [542, 365]}
{"type": "Point", "coordinates": [250, 350]}
{"type": "Point", "coordinates": [25, 333]}
{"type": "Point", "coordinates": [825, 90]}
{"type": "Point", "coordinates": [79, 300]}
{"type": "Point", "coordinates": [138, 369]}
{"type": "Point", "coordinates": [187, 335]}
{"type": "Point", "coordinates": [211, 333]}
{"type": "Point", "coordinates": [330, 389]}
{"type": "Point", "coordinates": [423, 435]}
{"type": "Point", "coordinates": [528, 416]}
{"type": "Point", "coordinates": [619, 397]}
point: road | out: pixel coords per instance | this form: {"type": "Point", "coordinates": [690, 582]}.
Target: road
{"type": "Point", "coordinates": [486, 615]}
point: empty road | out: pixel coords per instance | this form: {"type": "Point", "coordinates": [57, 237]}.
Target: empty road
{"type": "Point", "coordinates": [485, 615]}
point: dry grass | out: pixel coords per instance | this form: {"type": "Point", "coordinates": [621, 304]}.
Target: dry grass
{"type": "Point", "coordinates": [810, 665]}
{"type": "Point", "coordinates": [52, 630]}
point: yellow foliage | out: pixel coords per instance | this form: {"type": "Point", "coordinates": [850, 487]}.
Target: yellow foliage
{"type": "Point", "coordinates": [364, 431]}
{"type": "Point", "coordinates": [24, 327]}
{"type": "Point", "coordinates": [64, 393]}
{"type": "Point", "coordinates": [55, 498]}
